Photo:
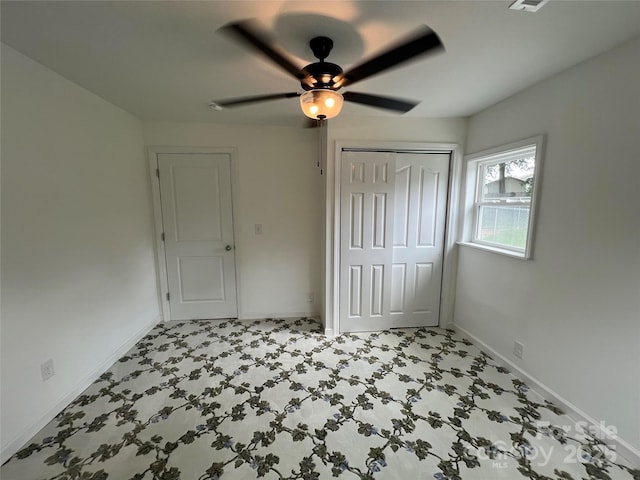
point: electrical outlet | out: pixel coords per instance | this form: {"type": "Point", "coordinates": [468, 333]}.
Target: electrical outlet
{"type": "Point", "coordinates": [518, 349]}
{"type": "Point", "coordinates": [310, 297]}
{"type": "Point", "coordinates": [47, 371]}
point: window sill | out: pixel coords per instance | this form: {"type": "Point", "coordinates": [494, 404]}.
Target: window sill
{"type": "Point", "coordinates": [501, 251]}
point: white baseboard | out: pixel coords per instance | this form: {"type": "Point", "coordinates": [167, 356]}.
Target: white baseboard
{"type": "Point", "coordinates": [13, 446]}
{"type": "Point", "coordinates": [262, 315]}
{"type": "Point", "coordinates": [622, 447]}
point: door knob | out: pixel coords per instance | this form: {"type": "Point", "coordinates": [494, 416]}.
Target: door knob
{"type": "Point", "coordinates": [228, 248]}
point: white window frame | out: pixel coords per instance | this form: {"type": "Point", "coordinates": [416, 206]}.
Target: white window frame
{"type": "Point", "coordinates": [473, 194]}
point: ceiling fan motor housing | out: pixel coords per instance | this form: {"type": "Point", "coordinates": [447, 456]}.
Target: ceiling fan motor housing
{"type": "Point", "coordinates": [320, 75]}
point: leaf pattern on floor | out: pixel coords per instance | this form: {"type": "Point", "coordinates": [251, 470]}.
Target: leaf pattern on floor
{"type": "Point", "coordinates": [276, 399]}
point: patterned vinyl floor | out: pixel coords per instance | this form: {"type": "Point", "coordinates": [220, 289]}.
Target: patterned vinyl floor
{"type": "Point", "coordinates": [276, 399]}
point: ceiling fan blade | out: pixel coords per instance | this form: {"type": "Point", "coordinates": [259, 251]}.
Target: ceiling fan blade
{"type": "Point", "coordinates": [234, 102]}
{"type": "Point", "coordinates": [422, 41]}
{"type": "Point", "coordinates": [252, 35]}
{"type": "Point", "coordinates": [388, 103]}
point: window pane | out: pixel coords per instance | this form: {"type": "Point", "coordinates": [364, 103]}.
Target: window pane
{"type": "Point", "coordinates": [509, 180]}
{"type": "Point", "coordinates": [504, 224]}
{"type": "Point", "coordinates": [505, 187]}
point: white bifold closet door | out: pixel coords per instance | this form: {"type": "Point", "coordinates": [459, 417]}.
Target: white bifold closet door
{"type": "Point", "coordinates": [392, 221]}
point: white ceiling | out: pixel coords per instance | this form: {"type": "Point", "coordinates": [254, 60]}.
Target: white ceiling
{"type": "Point", "coordinates": [164, 60]}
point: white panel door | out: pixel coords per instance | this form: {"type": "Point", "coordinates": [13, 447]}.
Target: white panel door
{"type": "Point", "coordinates": [195, 191]}
{"type": "Point", "coordinates": [418, 238]}
{"type": "Point", "coordinates": [366, 217]}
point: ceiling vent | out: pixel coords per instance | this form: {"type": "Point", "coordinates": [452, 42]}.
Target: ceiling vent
{"type": "Point", "coordinates": [527, 5]}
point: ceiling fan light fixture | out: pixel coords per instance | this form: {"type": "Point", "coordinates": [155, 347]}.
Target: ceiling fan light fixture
{"type": "Point", "coordinates": [321, 103]}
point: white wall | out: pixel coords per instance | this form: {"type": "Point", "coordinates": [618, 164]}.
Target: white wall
{"type": "Point", "coordinates": [78, 275]}
{"type": "Point", "coordinates": [373, 130]}
{"type": "Point", "coordinates": [576, 305]}
{"type": "Point", "coordinates": [278, 186]}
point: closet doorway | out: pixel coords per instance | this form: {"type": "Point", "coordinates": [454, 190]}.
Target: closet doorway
{"type": "Point", "coordinates": [393, 208]}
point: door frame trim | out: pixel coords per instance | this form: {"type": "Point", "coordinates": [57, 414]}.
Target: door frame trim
{"type": "Point", "coordinates": [449, 261]}
{"type": "Point", "coordinates": [161, 265]}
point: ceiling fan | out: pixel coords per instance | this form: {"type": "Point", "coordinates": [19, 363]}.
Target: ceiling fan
{"type": "Point", "coordinates": [322, 80]}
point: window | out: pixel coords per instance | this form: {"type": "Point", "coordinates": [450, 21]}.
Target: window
{"type": "Point", "coordinates": [502, 185]}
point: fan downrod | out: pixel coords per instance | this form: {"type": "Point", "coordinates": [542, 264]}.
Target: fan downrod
{"type": "Point", "coordinates": [321, 47]}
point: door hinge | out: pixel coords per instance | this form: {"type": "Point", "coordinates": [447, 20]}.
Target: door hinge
{"type": "Point", "coordinates": [168, 296]}
{"type": "Point", "coordinates": [162, 236]}
{"type": "Point", "coordinates": [158, 172]}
